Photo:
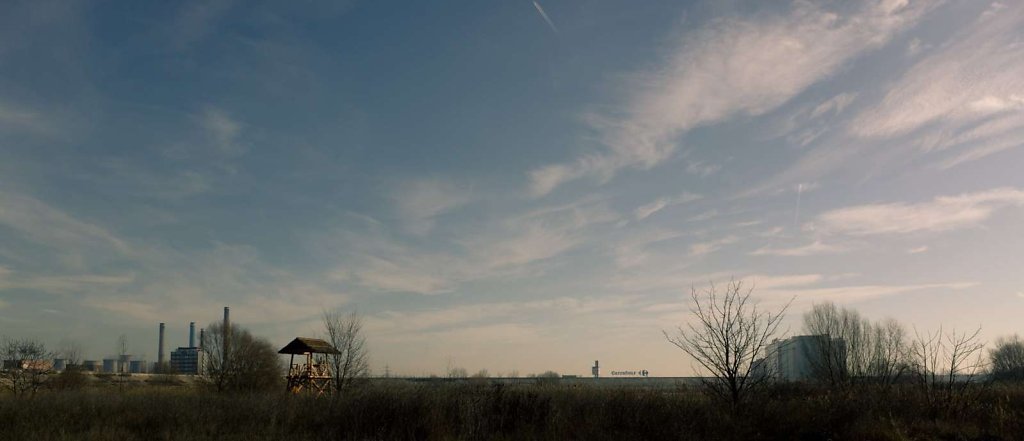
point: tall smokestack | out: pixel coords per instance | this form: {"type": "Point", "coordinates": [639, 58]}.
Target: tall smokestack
{"type": "Point", "coordinates": [202, 338]}
{"type": "Point", "coordinates": [191, 334]}
{"type": "Point", "coordinates": [227, 334]}
{"type": "Point", "coordinates": [160, 349]}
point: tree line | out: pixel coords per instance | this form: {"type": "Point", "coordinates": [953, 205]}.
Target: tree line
{"type": "Point", "coordinates": [731, 341]}
{"type": "Point", "coordinates": [250, 363]}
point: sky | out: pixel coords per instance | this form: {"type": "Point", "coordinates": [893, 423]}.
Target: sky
{"type": "Point", "coordinates": [517, 186]}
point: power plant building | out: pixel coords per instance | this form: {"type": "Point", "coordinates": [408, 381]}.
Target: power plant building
{"type": "Point", "coordinates": [187, 360]}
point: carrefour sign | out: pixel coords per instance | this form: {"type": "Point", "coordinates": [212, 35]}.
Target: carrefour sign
{"type": "Point", "coordinates": [640, 373]}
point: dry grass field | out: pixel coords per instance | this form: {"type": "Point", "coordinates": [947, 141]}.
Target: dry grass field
{"type": "Point", "coordinates": [397, 410]}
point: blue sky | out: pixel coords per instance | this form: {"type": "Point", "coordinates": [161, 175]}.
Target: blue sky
{"type": "Point", "coordinates": [493, 188]}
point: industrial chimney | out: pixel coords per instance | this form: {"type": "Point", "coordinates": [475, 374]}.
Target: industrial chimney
{"type": "Point", "coordinates": [596, 369]}
{"type": "Point", "coordinates": [160, 349]}
{"type": "Point", "coordinates": [202, 338]}
{"type": "Point", "coordinates": [191, 334]}
{"type": "Point", "coordinates": [226, 334]}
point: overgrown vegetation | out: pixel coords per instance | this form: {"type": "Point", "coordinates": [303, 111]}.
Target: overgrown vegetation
{"type": "Point", "coordinates": [25, 365]}
{"type": "Point", "coordinates": [250, 365]}
{"type": "Point", "coordinates": [471, 411]}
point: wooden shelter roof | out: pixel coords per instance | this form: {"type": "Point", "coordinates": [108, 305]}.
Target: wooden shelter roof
{"type": "Point", "coordinates": [306, 345]}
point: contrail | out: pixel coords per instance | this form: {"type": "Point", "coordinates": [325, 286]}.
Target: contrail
{"type": "Point", "coordinates": [545, 16]}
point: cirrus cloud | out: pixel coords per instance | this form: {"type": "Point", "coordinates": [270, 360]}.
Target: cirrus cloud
{"type": "Point", "coordinates": [732, 66]}
{"type": "Point", "coordinates": [941, 214]}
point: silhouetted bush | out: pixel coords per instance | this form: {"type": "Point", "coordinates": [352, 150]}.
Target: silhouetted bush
{"type": "Point", "coordinates": [71, 378]}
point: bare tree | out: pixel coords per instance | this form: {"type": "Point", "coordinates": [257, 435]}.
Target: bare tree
{"type": "Point", "coordinates": [946, 365]}
{"type": "Point", "coordinates": [888, 358]}
{"type": "Point", "coordinates": [457, 372]}
{"type": "Point", "coordinates": [26, 364]}
{"type": "Point", "coordinates": [856, 348]}
{"type": "Point", "coordinates": [846, 352]}
{"type": "Point", "coordinates": [251, 365]}
{"type": "Point", "coordinates": [1007, 359]}
{"type": "Point", "coordinates": [345, 333]}
{"type": "Point", "coordinates": [71, 352]}
{"type": "Point", "coordinates": [728, 336]}
{"type": "Point", "coordinates": [72, 377]}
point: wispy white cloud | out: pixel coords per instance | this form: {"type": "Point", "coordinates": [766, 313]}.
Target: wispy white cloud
{"type": "Point", "coordinates": [812, 249]}
{"type": "Point", "coordinates": [941, 214]}
{"type": "Point", "coordinates": [380, 261]}
{"type": "Point", "coordinates": [532, 242]}
{"type": "Point", "coordinates": [16, 118]}
{"type": "Point", "coordinates": [395, 321]}
{"type": "Point", "coordinates": [777, 289]}
{"type": "Point", "coordinates": [918, 250]}
{"type": "Point", "coordinates": [541, 234]}
{"type": "Point", "coordinates": [974, 76]}
{"type": "Point", "coordinates": [915, 47]}
{"type": "Point", "coordinates": [702, 248]}
{"type": "Point", "coordinates": [174, 284]}
{"type": "Point", "coordinates": [63, 283]}
{"type": "Point", "coordinates": [52, 227]}
{"type": "Point", "coordinates": [730, 67]}
{"type": "Point", "coordinates": [407, 275]}
{"type": "Point", "coordinates": [701, 168]}
{"type": "Point", "coordinates": [196, 20]}
{"type": "Point", "coordinates": [765, 281]}
{"type": "Point", "coordinates": [632, 251]}
{"type": "Point", "coordinates": [855, 293]}
{"type": "Point", "coordinates": [834, 105]}
{"type": "Point", "coordinates": [222, 129]}
{"type": "Point", "coordinates": [420, 202]}
{"type": "Point", "coordinates": [707, 215]}
{"type": "Point", "coordinates": [811, 121]}
{"type": "Point", "coordinates": [967, 95]}
{"type": "Point", "coordinates": [137, 179]}
{"type": "Point", "coordinates": [643, 211]}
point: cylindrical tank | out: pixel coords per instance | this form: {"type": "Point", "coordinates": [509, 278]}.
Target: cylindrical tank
{"type": "Point", "coordinates": [137, 366]}
{"type": "Point", "coordinates": [109, 365]}
{"type": "Point", "coordinates": [90, 365]}
{"type": "Point", "coordinates": [59, 364]}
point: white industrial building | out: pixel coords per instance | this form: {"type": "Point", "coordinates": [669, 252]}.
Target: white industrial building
{"type": "Point", "coordinates": [798, 358]}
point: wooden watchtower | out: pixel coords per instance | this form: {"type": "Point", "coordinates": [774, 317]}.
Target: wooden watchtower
{"type": "Point", "coordinates": [313, 377]}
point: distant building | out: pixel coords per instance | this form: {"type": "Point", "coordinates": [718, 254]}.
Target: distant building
{"type": "Point", "coordinates": [90, 365]}
{"type": "Point", "coordinates": [28, 365]}
{"type": "Point", "coordinates": [109, 366]}
{"type": "Point", "coordinates": [186, 361]}
{"type": "Point", "coordinates": [137, 366]}
{"type": "Point", "coordinates": [801, 358]}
